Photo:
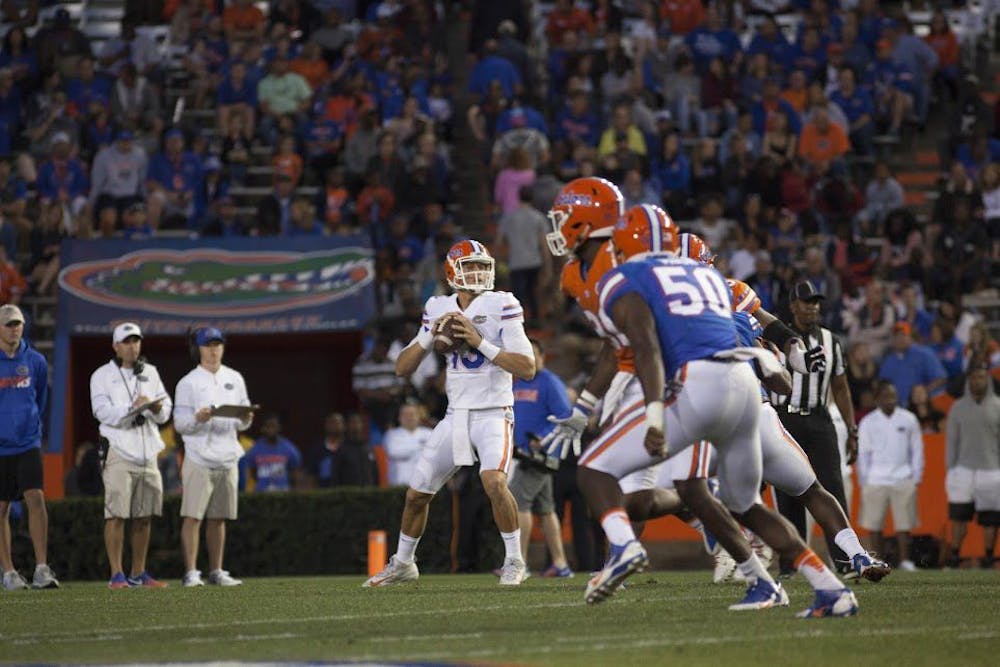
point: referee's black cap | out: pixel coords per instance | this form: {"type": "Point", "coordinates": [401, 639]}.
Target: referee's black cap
{"type": "Point", "coordinates": [804, 291]}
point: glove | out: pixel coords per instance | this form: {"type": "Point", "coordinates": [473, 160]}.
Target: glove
{"type": "Point", "coordinates": [806, 361]}
{"type": "Point", "coordinates": [568, 431]}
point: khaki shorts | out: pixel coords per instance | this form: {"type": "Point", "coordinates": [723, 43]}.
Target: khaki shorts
{"type": "Point", "coordinates": [876, 500]}
{"type": "Point", "coordinates": [531, 488]}
{"type": "Point", "coordinates": [131, 491]}
{"type": "Point", "coordinates": [209, 493]}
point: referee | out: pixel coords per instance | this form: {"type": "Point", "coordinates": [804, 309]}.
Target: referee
{"type": "Point", "coordinates": [804, 413]}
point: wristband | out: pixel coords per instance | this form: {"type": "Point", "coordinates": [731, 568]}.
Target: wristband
{"type": "Point", "coordinates": [654, 415]}
{"type": "Point", "coordinates": [489, 350]}
{"type": "Point", "coordinates": [779, 333]}
{"type": "Point", "coordinates": [423, 338]}
{"type": "Point", "coordinates": [586, 402]}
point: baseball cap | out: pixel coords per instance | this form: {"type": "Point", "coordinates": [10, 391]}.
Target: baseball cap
{"type": "Point", "coordinates": [208, 334]}
{"type": "Point", "coordinates": [59, 137]}
{"type": "Point", "coordinates": [10, 313]}
{"type": "Point", "coordinates": [902, 327]}
{"type": "Point", "coordinates": [173, 132]}
{"type": "Point", "coordinates": [804, 291]}
{"type": "Point", "coordinates": [125, 135]}
{"type": "Point", "coordinates": [124, 331]}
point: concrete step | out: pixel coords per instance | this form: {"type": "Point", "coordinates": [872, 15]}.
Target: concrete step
{"type": "Point", "coordinates": [918, 179]}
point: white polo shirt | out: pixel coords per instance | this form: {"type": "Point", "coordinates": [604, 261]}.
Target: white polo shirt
{"type": "Point", "coordinates": [402, 449]}
{"type": "Point", "coordinates": [213, 444]}
{"type": "Point", "coordinates": [113, 389]}
{"type": "Point", "coordinates": [890, 448]}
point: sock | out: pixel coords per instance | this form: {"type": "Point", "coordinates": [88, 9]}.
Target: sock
{"type": "Point", "coordinates": [188, 574]}
{"type": "Point", "coordinates": [406, 548]}
{"type": "Point", "coordinates": [753, 569]}
{"type": "Point", "coordinates": [617, 527]}
{"type": "Point", "coordinates": [848, 540]}
{"type": "Point", "coordinates": [512, 544]}
{"type": "Point", "coordinates": [38, 565]}
{"type": "Point", "coordinates": [816, 573]}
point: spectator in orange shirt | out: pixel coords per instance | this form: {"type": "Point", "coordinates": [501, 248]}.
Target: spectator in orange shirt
{"type": "Point", "coordinates": [346, 108]}
{"type": "Point", "coordinates": [564, 18]}
{"type": "Point", "coordinates": [797, 93]}
{"type": "Point", "coordinates": [684, 15]}
{"type": "Point", "coordinates": [311, 66]}
{"type": "Point", "coordinates": [821, 141]}
{"type": "Point", "coordinates": [12, 283]}
{"type": "Point", "coordinates": [945, 45]}
{"type": "Point", "coordinates": [286, 161]}
{"type": "Point", "coordinates": [375, 201]}
{"type": "Point", "coordinates": [243, 21]}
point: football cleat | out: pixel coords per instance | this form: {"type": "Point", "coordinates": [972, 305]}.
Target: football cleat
{"type": "Point", "coordinates": [193, 579]}
{"type": "Point", "coordinates": [44, 578]}
{"type": "Point", "coordinates": [762, 595]}
{"type": "Point", "coordinates": [13, 581]}
{"type": "Point", "coordinates": [145, 580]}
{"type": "Point", "coordinates": [622, 564]}
{"type": "Point", "coordinates": [831, 603]}
{"type": "Point", "coordinates": [118, 581]}
{"type": "Point", "coordinates": [513, 572]}
{"type": "Point", "coordinates": [223, 578]}
{"type": "Point", "coordinates": [396, 572]}
{"type": "Point", "coordinates": [556, 572]}
{"type": "Point", "coordinates": [869, 568]}
{"type": "Point", "coordinates": [725, 567]}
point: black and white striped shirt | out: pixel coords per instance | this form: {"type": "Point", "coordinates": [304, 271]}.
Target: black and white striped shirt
{"type": "Point", "coordinates": [810, 391]}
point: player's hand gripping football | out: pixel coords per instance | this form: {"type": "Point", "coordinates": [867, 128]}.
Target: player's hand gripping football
{"type": "Point", "coordinates": [465, 330]}
{"type": "Point", "coordinates": [806, 361]}
{"type": "Point", "coordinates": [565, 437]}
{"type": "Point", "coordinates": [655, 442]}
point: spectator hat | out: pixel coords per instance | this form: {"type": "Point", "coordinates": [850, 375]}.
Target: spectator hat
{"type": "Point", "coordinates": [126, 330]}
{"type": "Point", "coordinates": [507, 27]}
{"type": "Point", "coordinates": [804, 291]}
{"type": "Point", "coordinates": [902, 327]}
{"type": "Point", "coordinates": [59, 137]}
{"type": "Point", "coordinates": [208, 335]}
{"type": "Point", "coordinates": [212, 163]}
{"type": "Point", "coordinates": [125, 135]}
{"type": "Point", "coordinates": [9, 314]}
{"type": "Point", "coordinates": [174, 132]}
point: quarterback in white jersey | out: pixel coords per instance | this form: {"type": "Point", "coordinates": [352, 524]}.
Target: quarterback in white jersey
{"type": "Point", "coordinates": [491, 347]}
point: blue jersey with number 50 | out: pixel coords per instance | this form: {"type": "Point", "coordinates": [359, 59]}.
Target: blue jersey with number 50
{"type": "Point", "coordinates": [690, 302]}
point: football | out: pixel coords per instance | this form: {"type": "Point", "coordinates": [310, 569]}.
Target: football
{"type": "Point", "coordinates": [446, 339]}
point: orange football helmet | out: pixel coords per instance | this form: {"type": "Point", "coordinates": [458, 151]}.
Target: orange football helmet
{"type": "Point", "coordinates": [694, 247]}
{"type": "Point", "coordinates": [469, 266]}
{"type": "Point", "coordinates": [585, 208]}
{"type": "Point", "coordinates": [745, 300]}
{"type": "Point", "coordinates": [645, 229]}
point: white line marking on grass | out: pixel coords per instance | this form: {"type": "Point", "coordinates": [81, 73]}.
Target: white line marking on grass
{"type": "Point", "coordinates": [67, 640]}
{"type": "Point", "coordinates": [240, 638]}
{"type": "Point", "coordinates": [415, 638]}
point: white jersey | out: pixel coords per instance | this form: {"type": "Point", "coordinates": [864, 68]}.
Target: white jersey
{"type": "Point", "coordinates": [474, 382]}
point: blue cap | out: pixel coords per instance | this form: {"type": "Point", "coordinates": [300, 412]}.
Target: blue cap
{"type": "Point", "coordinates": [206, 335]}
{"type": "Point", "coordinates": [125, 135]}
{"type": "Point", "coordinates": [173, 132]}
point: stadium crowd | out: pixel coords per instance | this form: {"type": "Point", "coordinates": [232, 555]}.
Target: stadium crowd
{"type": "Point", "coordinates": [761, 126]}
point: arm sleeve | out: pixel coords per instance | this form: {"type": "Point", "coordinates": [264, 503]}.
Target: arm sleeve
{"type": "Point", "coordinates": [101, 405]}
{"type": "Point", "coordinates": [916, 450]}
{"type": "Point", "coordinates": [184, 409]}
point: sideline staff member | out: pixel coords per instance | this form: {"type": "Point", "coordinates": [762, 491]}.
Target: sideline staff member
{"type": "Point", "coordinates": [23, 393]}
{"type": "Point", "coordinates": [211, 453]}
{"type": "Point", "coordinates": [804, 413]}
{"type": "Point", "coordinates": [133, 487]}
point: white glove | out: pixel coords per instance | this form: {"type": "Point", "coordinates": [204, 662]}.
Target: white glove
{"type": "Point", "coordinates": [806, 361]}
{"type": "Point", "coordinates": [569, 430]}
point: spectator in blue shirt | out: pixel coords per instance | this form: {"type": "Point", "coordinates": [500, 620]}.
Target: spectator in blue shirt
{"type": "Point", "coordinates": [576, 123]}
{"type": "Point", "coordinates": [62, 178]}
{"type": "Point", "coordinates": [947, 347]}
{"type": "Point", "coordinates": [88, 87]}
{"type": "Point", "coordinates": [531, 481]}
{"type": "Point", "coordinates": [407, 247]}
{"type": "Point", "coordinates": [770, 41]}
{"type": "Point", "coordinates": [859, 108]}
{"type": "Point", "coordinates": [519, 115]}
{"type": "Point", "coordinates": [237, 94]}
{"type": "Point", "coordinates": [809, 54]}
{"type": "Point", "coordinates": [713, 40]}
{"type": "Point", "coordinates": [907, 364]}
{"type": "Point", "coordinates": [891, 87]}
{"type": "Point", "coordinates": [672, 169]}
{"type": "Point", "coordinates": [771, 102]}
{"type": "Point", "coordinates": [273, 460]}
{"type": "Point", "coordinates": [174, 179]}
{"type": "Point", "coordinates": [494, 68]}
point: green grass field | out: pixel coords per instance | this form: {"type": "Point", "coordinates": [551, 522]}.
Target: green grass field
{"type": "Point", "coordinates": [927, 618]}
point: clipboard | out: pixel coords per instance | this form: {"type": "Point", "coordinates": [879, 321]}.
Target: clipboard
{"type": "Point", "coordinates": [135, 412]}
{"type": "Point", "coordinates": [233, 411]}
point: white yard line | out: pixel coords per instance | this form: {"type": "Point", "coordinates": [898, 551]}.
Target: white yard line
{"type": "Point", "coordinates": [241, 638]}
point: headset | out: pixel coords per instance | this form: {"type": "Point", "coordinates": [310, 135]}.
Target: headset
{"type": "Point", "coordinates": [138, 367]}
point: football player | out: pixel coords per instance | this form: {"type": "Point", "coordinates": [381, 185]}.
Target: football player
{"type": "Point", "coordinates": [785, 465]}
{"type": "Point", "coordinates": [583, 218]}
{"type": "Point", "coordinates": [480, 417]}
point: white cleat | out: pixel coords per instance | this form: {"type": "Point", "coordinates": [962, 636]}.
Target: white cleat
{"type": "Point", "coordinates": [222, 578]}
{"type": "Point", "coordinates": [513, 572]}
{"type": "Point", "coordinates": [762, 595]}
{"type": "Point", "coordinates": [44, 578]}
{"type": "Point", "coordinates": [13, 581]}
{"type": "Point", "coordinates": [192, 579]}
{"type": "Point", "coordinates": [725, 567]}
{"type": "Point", "coordinates": [396, 572]}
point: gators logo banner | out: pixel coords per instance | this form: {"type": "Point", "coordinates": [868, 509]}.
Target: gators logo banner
{"type": "Point", "coordinates": [243, 285]}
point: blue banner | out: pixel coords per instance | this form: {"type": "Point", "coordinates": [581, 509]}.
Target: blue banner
{"type": "Point", "coordinates": [251, 285]}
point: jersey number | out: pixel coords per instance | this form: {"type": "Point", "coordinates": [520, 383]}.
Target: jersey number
{"type": "Point", "coordinates": [471, 359]}
{"type": "Point", "coordinates": [690, 294]}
